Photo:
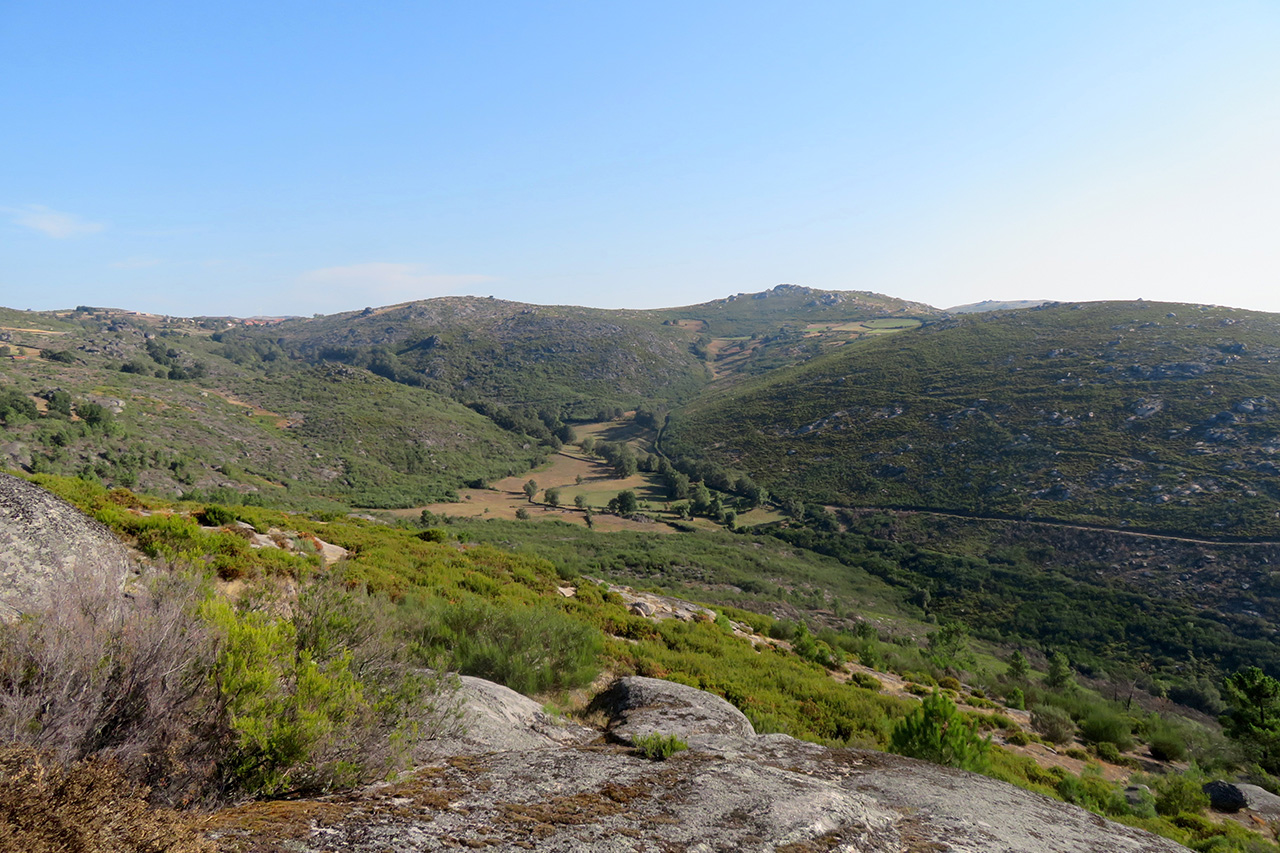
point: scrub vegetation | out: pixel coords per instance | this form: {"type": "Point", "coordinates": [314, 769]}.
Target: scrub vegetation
{"type": "Point", "coordinates": [1035, 544]}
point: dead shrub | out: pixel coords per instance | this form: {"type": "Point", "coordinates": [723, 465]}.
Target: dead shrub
{"type": "Point", "coordinates": [117, 676]}
{"type": "Point", "coordinates": [47, 807]}
{"type": "Point", "coordinates": [198, 701]}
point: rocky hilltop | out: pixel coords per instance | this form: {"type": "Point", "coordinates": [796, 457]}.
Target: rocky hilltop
{"type": "Point", "coordinates": [519, 779]}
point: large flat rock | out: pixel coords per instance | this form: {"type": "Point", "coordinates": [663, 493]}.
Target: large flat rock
{"type": "Point", "coordinates": [736, 792]}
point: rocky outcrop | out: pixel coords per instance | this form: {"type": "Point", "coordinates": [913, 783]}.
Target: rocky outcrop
{"type": "Point", "coordinates": [520, 786]}
{"type": "Point", "coordinates": [640, 706]}
{"type": "Point", "coordinates": [1237, 796]}
{"type": "Point", "coordinates": [1224, 796]}
{"type": "Point", "coordinates": [44, 539]}
{"type": "Point", "coordinates": [493, 718]}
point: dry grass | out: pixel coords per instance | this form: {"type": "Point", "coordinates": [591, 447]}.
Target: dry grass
{"type": "Point", "coordinates": [562, 471]}
{"type": "Point", "coordinates": [46, 807]}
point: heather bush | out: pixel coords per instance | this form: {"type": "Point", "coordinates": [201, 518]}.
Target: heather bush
{"type": "Point", "coordinates": [126, 678]}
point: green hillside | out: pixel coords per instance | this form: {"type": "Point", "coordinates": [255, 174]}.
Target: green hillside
{"type": "Point", "coordinates": [567, 360]}
{"type": "Point", "coordinates": [150, 403]}
{"type": "Point", "coordinates": [761, 313]}
{"type": "Point", "coordinates": [752, 333]}
{"type": "Point", "coordinates": [1159, 416]}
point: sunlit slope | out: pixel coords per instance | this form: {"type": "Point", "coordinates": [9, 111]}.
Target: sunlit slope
{"type": "Point", "coordinates": [152, 404]}
{"type": "Point", "coordinates": [573, 360]}
{"type": "Point", "coordinates": [1154, 415]}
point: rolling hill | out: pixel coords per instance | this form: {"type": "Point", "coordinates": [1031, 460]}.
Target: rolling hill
{"type": "Point", "coordinates": [1157, 416]}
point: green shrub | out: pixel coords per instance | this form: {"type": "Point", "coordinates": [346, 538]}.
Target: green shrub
{"type": "Point", "coordinates": [1103, 725]}
{"type": "Point", "coordinates": [920, 678]}
{"type": "Point", "coordinates": [1093, 792]}
{"type": "Point", "coordinates": [1164, 741]}
{"type": "Point", "coordinates": [1018, 738]}
{"type": "Point", "coordinates": [1053, 723]}
{"type": "Point", "coordinates": [529, 649]}
{"type": "Point", "coordinates": [1014, 699]}
{"type": "Point", "coordinates": [865, 680]}
{"type": "Point", "coordinates": [1180, 792]}
{"type": "Point", "coordinates": [216, 516]}
{"type": "Point", "coordinates": [282, 703]}
{"type": "Point", "coordinates": [1000, 721]}
{"type": "Point", "coordinates": [938, 732]}
{"type": "Point", "coordinates": [1107, 751]}
{"type": "Point", "coordinates": [658, 747]}
{"type": "Point", "coordinates": [434, 534]}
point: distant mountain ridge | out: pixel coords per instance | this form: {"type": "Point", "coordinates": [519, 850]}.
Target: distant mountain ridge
{"type": "Point", "coordinates": [997, 305]}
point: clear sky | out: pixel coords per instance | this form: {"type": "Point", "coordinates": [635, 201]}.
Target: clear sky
{"type": "Point", "coordinates": [315, 156]}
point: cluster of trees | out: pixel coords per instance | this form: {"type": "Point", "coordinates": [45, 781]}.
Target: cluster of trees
{"type": "Point", "coordinates": [1007, 597]}
{"type": "Point", "coordinates": [17, 407]}
{"type": "Point", "coordinates": [541, 424]}
{"type": "Point", "coordinates": [1254, 719]}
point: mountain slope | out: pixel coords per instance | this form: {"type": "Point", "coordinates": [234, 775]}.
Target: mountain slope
{"type": "Point", "coordinates": [566, 359]}
{"type": "Point", "coordinates": [101, 403]}
{"type": "Point", "coordinates": [1160, 416]}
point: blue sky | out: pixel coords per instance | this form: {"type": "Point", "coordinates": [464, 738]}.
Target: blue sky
{"type": "Point", "coordinates": [311, 157]}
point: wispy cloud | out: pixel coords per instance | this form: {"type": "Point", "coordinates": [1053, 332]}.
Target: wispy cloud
{"type": "Point", "coordinates": [51, 223]}
{"type": "Point", "coordinates": [378, 284]}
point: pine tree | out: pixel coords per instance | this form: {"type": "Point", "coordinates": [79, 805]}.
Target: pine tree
{"type": "Point", "coordinates": [938, 732]}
